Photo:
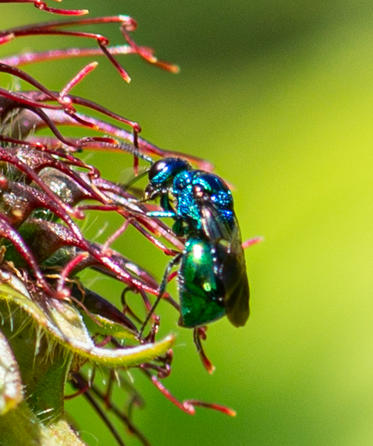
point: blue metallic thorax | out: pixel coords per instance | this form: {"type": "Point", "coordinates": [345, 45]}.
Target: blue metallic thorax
{"type": "Point", "coordinates": [198, 197]}
{"type": "Point", "coordinates": [193, 188]}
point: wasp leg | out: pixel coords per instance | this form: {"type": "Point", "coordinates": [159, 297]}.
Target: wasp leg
{"type": "Point", "coordinates": [162, 289]}
{"type": "Point", "coordinates": [161, 214]}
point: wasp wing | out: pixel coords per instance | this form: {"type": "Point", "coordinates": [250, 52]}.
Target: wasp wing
{"type": "Point", "coordinates": [233, 275]}
{"type": "Point", "coordinates": [230, 264]}
{"type": "Point", "coordinates": [216, 225]}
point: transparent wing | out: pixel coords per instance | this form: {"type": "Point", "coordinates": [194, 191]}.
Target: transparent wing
{"type": "Point", "coordinates": [215, 224]}
{"type": "Point", "coordinates": [234, 278]}
{"type": "Point", "coordinates": [230, 263]}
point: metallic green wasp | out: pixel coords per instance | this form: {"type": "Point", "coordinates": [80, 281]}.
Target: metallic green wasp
{"type": "Point", "coordinates": [212, 275]}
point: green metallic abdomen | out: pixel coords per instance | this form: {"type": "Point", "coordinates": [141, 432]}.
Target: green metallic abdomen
{"type": "Point", "coordinates": [201, 294]}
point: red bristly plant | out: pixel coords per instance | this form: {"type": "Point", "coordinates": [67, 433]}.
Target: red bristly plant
{"type": "Point", "coordinates": [53, 328]}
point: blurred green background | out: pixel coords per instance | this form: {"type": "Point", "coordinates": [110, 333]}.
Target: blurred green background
{"type": "Point", "coordinates": [278, 95]}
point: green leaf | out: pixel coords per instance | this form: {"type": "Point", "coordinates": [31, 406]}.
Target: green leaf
{"type": "Point", "coordinates": [43, 365]}
{"type": "Point", "coordinates": [108, 327]}
{"type": "Point", "coordinates": [21, 427]}
{"type": "Point", "coordinates": [60, 433]}
{"type": "Point", "coordinates": [63, 322]}
{"type": "Point", "coordinates": [40, 354]}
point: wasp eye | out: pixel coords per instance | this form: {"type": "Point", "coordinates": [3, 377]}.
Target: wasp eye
{"type": "Point", "coordinates": [164, 170]}
{"type": "Point", "coordinates": [156, 168]}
